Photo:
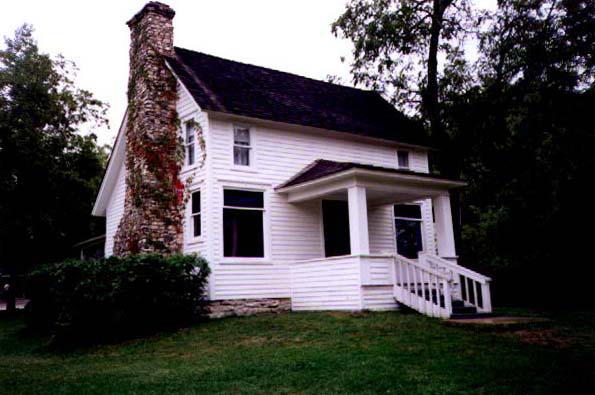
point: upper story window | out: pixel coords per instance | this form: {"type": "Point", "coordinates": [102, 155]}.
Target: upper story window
{"type": "Point", "coordinates": [190, 143]}
{"type": "Point", "coordinates": [195, 214]}
{"type": "Point", "coordinates": [403, 159]}
{"type": "Point", "coordinates": [243, 224]}
{"type": "Point", "coordinates": [241, 146]}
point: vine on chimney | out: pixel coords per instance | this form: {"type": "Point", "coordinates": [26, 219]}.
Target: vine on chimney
{"type": "Point", "coordinates": [159, 154]}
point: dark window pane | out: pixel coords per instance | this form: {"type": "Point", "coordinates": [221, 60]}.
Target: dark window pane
{"type": "Point", "coordinates": [241, 156]}
{"type": "Point", "coordinates": [241, 136]}
{"type": "Point", "coordinates": [403, 159]}
{"type": "Point", "coordinates": [196, 202]}
{"type": "Point", "coordinates": [408, 210]}
{"type": "Point", "coordinates": [335, 220]}
{"type": "Point", "coordinates": [189, 133]}
{"type": "Point", "coordinates": [237, 198]}
{"type": "Point", "coordinates": [196, 225]}
{"type": "Point", "coordinates": [409, 241]}
{"type": "Point", "coordinates": [190, 154]}
{"type": "Point", "coordinates": [242, 233]}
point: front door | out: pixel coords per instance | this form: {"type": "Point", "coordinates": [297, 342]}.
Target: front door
{"type": "Point", "coordinates": [335, 220]}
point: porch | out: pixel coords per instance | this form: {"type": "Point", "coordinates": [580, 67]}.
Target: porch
{"type": "Point", "coordinates": [349, 276]}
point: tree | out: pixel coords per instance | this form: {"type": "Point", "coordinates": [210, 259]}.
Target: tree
{"type": "Point", "coordinates": [397, 48]}
{"type": "Point", "coordinates": [526, 136]}
{"type": "Point", "coordinates": [517, 126]}
{"type": "Point", "coordinates": [49, 171]}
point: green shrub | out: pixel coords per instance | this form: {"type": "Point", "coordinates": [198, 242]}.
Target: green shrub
{"type": "Point", "coordinates": [116, 297]}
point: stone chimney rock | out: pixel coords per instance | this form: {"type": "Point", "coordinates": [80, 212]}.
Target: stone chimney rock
{"type": "Point", "coordinates": [153, 208]}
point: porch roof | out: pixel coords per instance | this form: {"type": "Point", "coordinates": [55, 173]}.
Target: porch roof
{"type": "Point", "coordinates": [325, 178]}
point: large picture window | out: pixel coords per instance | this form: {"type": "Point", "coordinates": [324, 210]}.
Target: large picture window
{"type": "Point", "coordinates": [408, 229]}
{"type": "Point", "coordinates": [243, 229]}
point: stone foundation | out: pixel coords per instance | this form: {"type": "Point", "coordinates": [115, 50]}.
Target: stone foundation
{"type": "Point", "coordinates": [243, 307]}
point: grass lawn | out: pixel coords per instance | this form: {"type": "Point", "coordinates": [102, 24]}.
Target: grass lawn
{"type": "Point", "coordinates": [315, 353]}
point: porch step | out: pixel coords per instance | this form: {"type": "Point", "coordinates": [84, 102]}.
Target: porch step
{"type": "Point", "coordinates": [470, 316]}
{"type": "Point", "coordinates": [464, 310]}
{"type": "Point", "coordinates": [460, 311]}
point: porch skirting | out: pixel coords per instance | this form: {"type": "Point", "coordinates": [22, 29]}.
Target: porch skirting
{"type": "Point", "coordinates": [243, 307]}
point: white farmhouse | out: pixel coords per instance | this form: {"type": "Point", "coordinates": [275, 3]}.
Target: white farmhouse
{"type": "Point", "coordinates": [305, 195]}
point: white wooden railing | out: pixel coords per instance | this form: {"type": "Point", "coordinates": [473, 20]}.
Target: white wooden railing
{"type": "Point", "coordinates": [471, 287]}
{"type": "Point", "coordinates": [422, 288]}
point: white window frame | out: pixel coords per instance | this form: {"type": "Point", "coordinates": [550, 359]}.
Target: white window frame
{"type": "Point", "coordinates": [190, 217]}
{"type": "Point", "coordinates": [250, 147]}
{"type": "Point", "coordinates": [189, 124]}
{"type": "Point", "coordinates": [420, 220]}
{"type": "Point", "coordinates": [266, 235]}
{"type": "Point", "coordinates": [408, 153]}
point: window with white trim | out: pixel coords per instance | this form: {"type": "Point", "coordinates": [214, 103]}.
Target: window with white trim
{"type": "Point", "coordinates": [243, 223]}
{"type": "Point", "coordinates": [190, 142]}
{"type": "Point", "coordinates": [241, 146]}
{"type": "Point", "coordinates": [195, 217]}
{"type": "Point", "coordinates": [403, 159]}
{"type": "Point", "coordinates": [408, 229]}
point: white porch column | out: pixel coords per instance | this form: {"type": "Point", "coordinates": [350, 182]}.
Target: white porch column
{"type": "Point", "coordinates": [444, 230]}
{"type": "Point", "coordinates": [358, 220]}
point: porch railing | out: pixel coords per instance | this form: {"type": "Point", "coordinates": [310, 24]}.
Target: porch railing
{"type": "Point", "coordinates": [472, 288]}
{"type": "Point", "coordinates": [422, 288]}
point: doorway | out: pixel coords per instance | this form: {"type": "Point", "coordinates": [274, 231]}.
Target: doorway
{"type": "Point", "coordinates": [335, 220]}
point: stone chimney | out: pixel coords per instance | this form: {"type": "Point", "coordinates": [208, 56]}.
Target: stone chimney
{"type": "Point", "coordinates": [153, 208]}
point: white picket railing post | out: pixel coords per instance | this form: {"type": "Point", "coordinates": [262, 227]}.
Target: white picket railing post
{"type": "Point", "coordinates": [486, 297]}
{"type": "Point", "coordinates": [447, 298]}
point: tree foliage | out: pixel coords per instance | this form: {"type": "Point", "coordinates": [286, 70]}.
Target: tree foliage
{"type": "Point", "coordinates": [518, 128]}
{"type": "Point", "coordinates": [49, 171]}
{"type": "Point", "coordinates": [396, 50]}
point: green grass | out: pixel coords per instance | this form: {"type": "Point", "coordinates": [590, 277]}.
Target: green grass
{"type": "Point", "coordinates": [314, 353]}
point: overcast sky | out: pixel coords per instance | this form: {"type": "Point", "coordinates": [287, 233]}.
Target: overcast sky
{"type": "Point", "coordinates": [286, 35]}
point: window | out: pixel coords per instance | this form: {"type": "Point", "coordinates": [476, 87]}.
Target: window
{"type": "Point", "coordinates": [243, 229]}
{"type": "Point", "coordinates": [195, 214]}
{"type": "Point", "coordinates": [241, 146]}
{"type": "Point", "coordinates": [403, 159]}
{"type": "Point", "coordinates": [408, 229]}
{"type": "Point", "coordinates": [190, 145]}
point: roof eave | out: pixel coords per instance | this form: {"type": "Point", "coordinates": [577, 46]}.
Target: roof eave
{"type": "Point", "coordinates": [110, 175]}
{"type": "Point", "coordinates": [423, 179]}
{"type": "Point", "coordinates": [243, 118]}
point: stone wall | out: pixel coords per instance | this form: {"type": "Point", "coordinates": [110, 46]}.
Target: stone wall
{"type": "Point", "coordinates": [153, 208]}
{"type": "Point", "coordinates": [243, 307]}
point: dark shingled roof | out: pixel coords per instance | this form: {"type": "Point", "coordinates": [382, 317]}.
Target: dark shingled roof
{"type": "Point", "coordinates": [236, 88]}
{"type": "Point", "coordinates": [321, 168]}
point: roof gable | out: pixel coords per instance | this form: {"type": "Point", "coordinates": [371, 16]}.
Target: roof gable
{"type": "Point", "coordinates": [236, 88]}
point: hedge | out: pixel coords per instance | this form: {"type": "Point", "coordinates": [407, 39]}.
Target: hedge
{"type": "Point", "coordinates": [116, 297]}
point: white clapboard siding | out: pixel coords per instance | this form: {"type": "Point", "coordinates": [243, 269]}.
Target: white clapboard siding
{"type": "Point", "coordinates": [331, 284]}
{"type": "Point", "coordinates": [294, 231]}
{"type": "Point", "coordinates": [379, 298]}
{"type": "Point", "coordinates": [115, 209]}
{"type": "Point", "coordinates": [188, 110]}
{"type": "Point", "coordinates": [377, 270]}
{"type": "Point", "coordinates": [381, 230]}
{"type": "Point", "coordinates": [245, 281]}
